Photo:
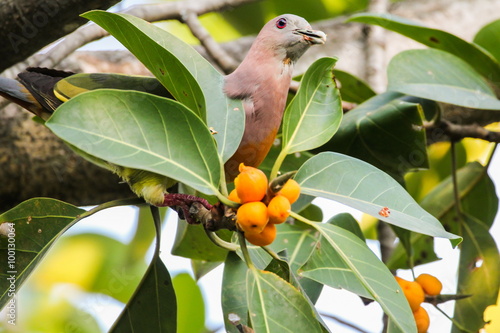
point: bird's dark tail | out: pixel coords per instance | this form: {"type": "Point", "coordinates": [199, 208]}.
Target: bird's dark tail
{"type": "Point", "coordinates": [35, 90]}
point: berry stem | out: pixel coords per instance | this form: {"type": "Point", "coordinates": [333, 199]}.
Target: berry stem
{"type": "Point", "coordinates": [244, 250]}
{"type": "Point", "coordinates": [220, 242]}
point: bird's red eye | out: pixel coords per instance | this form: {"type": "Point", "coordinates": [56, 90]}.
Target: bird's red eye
{"type": "Point", "coordinates": [281, 23]}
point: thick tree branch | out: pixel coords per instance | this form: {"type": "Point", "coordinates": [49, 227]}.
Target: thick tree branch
{"type": "Point", "coordinates": [457, 132]}
{"type": "Point", "coordinates": [29, 25]}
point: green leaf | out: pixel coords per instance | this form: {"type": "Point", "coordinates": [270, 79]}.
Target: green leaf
{"type": "Point", "coordinates": [362, 186]}
{"type": "Point", "coordinates": [149, 46]}
{"type": "Point", "coordinates": [142, 131]}
{"type": "Point", "coordinates": [35, 223]}
{"type": "Point", "coordinates": [234, 297]}
{"type": "Point", "coordinates": [276, 306]}
{"type": "Point", "coordinates": [489, 37]}
{"type": "Point", "coordinates": [441, 40]}
{"type": "Point", "coordinates": [190, 305]}
{"type": "Point", "coordinates": [478, 274]}
{"type": "Point", "coordinates": [153, 305]}
{"type": "Point", "coordinates": [347, 222]}
{"type": "Point", "coordinates": [192, 242]}
{"type": "Point", "coordinates": [440, 76]}
{"type": "Point", "coordinates": [314, 114]}
{"type": "Point", "coordinates": [282, 269]}
{"type": "Point", "coordinates": [203, 267]}
{"type": "Point", "coordinates": [384, 131]}
{"type": "Point", "coordinates": [352, 88]}
{"type": "Point", "coordinates": [168, 58]}
{"type": "Point", "coordinates": [347, 262]}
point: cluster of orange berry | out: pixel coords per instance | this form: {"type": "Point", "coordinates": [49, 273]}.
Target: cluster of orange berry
{"type": "Point", "coordinates": [261, 209]}
{"type": "Point", "coordinates": [415, 291]}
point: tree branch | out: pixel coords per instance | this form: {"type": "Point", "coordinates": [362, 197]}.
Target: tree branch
{"type": "Point", "coordinates": [215, 51]}
{"type": "Point", "coordinates": [29, 25]}
{"type": "Point", "coordinates": [92, 32]}
{"type": "Point", "coordinates": [457, 132]}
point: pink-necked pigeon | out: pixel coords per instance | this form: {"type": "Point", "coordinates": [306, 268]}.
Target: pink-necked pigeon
{"type": "Point", "coordinates": [262, 81]}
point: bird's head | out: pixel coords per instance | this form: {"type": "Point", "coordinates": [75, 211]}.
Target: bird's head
{"type": "Point", "coordinates": [290, 35]}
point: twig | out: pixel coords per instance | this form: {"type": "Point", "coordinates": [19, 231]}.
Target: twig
{"type": "Point", "coordinates": [214, 50]}
{"type": "Point", "coordinates": [457, 132]}
{"type": "Point", "coordinates": [343, 322]}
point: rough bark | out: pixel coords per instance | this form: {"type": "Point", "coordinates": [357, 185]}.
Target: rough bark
{"type": "Point", "coordinates": [29, 25]}
{"type": "Point", "coordinates": [33, 162]}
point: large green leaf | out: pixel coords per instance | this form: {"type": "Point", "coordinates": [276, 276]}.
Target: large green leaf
{"type": "Point", "coordinates": [353, 89]}
{"type": "Point", "coordinates": [314, 114]}
{"type": "Point", "coordinates": [488, 38]}
{"type": "Point", "coordinates": [478, 274]}
{"type": "Point", "coordinates": [440, 76]}
{"type": "Point", "coordinates": [438, 39]}
{"type": "Point", "coordinates": [276, 306]}
{"type": "Point", "coordinates": [384, 131]}
{"type": "Point", "coordinates": [27, 232]}
{"type": "Point", "coordinates": [347, 262]}
{"type": "Point", "coordinates": [362, 186]}
{"type": "Point", "coordinates": [183, 71]}
{"type": "Point", "coordinates": [153, 306]}
{"type": "Point", "coordinates": [141, 131]}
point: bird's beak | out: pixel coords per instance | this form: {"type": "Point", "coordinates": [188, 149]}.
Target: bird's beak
{"type": "Point", "coordinates": [312, 36]}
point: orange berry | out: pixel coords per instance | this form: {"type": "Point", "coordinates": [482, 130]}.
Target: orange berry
{"type": "Point", "coordinates": [252, 217]}
{"type": "Point", "coordinates": [251, 184]}
{"type": "Point", "coordinates": [233, 196]}
{"type": "Point", "coordinates": [430, 284]}
{"type": "Point", "coordinates": [278, 209]}
{"type": "Point", "coordinates": [421, 319]}
{"type": "Point", "coordinates": [291, 190]}
{"type": "Point", "coordinates": [413, 292]}
{"type": "Point", "coordinates": [265, 238]}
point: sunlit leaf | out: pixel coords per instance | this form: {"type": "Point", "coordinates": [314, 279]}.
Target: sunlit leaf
{"type": "Point", "coordinates": [360, 185]}
{"type": "Point", "coordinates": [314, 114]}
{"type": "Point", "coordinates": [271, 300]}
{"type": "Point", "coordinates": [438, 39]}
{"type": "Point", "coordinates": [141, 131]}
{"type": "Point", "coordinates": [153, 304]}
{"type": "Point", "coordinates": [440, 76]}
{"type": "Point", "coordinates": [183, 71]}
{"type": "Point", "coordinates": [190, 305]}
{"type": "Point", "coordinates": [32, 227]}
